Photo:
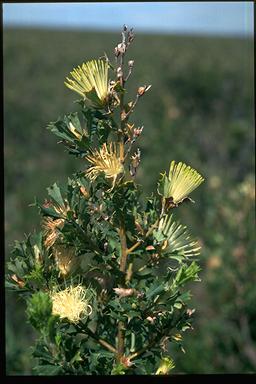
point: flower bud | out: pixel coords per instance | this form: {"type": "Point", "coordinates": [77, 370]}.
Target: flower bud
{"type": "Point", "coordinates": [17, 280]}
{"type": "Point", "coordinates": [119, 72]}
{"type": "Point", "coordinates": [123, 115]}
{"type": "Point", "coordinates": [137, 131]}
{"type": "Point", "coordinates": [142, 90]}
{"type": "Point", "coordinates": [117, 53]}
{"type": "Point", "coordinates": [121, 47]}
{"type": "Point", "coordinates": [84, 192]}
{"type": "Point", "coordinates": [130, 63]}
{"type": "Point", "coordinates": [126, 361]}
{"type": "Point", "coordinates": [130, 36]}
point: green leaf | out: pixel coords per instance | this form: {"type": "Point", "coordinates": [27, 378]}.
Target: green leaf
{"type": "Point", "coordinates": [187, 273]}
{"type": "Point", "coordinates": [48, 370]}
{"type": "Point", "coordinates": [163, 185]}
{"type": "Point", "coordinates": [55, 194]}
{"type": "Point", "coordinates": [50, 212]}
{"type": "Point", "coordinates": [155, 290]}
{"type": "Point", "coordinates": [118, 369]}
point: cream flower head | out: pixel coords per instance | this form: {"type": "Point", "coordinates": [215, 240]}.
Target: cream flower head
{"type": "Point", "coordinates": [106, 161]}
{"type": "Point", "coordinates": [181, 181]}
{"type": "Point", "coordinates": [166, 365]}
{"type": "Point", "coordinates": [71, 303]}
{"type": "Point", "coordinates": [91, 82]}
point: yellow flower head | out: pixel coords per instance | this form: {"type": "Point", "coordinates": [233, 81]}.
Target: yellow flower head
{"type": "Point", "coordinates": [91, 82]}
{"type": "Point", "coordinates": [65, 259]}
{"type": "Point", "coordinates": [105, 160]}
{"type": "Point", "coordinates": [71, 303]}
{"type": "Point", "coordinates": [165, 366]}
{"type": "Point", "coordinates": [182, 180]}
{"type": "Point", "coordinates": [51, 231]}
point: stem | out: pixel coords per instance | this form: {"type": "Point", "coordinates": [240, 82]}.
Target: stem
{"type": "Point", "coordinates": [136, 245]}
{"type": "Point", "coordinates": [141, 351]}
{"type": "Point", "coordinates": [160, 334]}
{"type": "Point", "coordinates": [133, 106]}
{"type": "Point", "coordinates": [98, 339]}
{"type": "Point", "coordinates": [122, 234]}
{"type": "Point", "coordinates": [121, 329]}
{"type": "Point", "coordinates": [120, 340]}
{"type": "Point", "coordinates": [124, 252]}
{"type": "Point", "coordinates": [103, 343]}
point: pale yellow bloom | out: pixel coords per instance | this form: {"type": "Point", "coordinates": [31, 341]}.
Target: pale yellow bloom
{"type": "Point", "coordinates": [166, 365]}
{"type": "Point", "coordinates": [71, 303]}
{"type": "Point", "coordinates": [91, 81]}
{"type": "Point", "coordinates": [105, 160]}
{"type": "Point", "coordinates": [182, 180]}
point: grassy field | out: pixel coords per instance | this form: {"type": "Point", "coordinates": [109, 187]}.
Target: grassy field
{"type": "Point", "coordinates": [200, 111]}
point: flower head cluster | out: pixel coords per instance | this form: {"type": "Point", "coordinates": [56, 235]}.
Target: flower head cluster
{"type": "Point", "coordinates": [91, 81]}
{"type": "Point", "coordinates": [71, 303]}
{"type": "Point", "coordinates": [106, 161]}
{"type": "Point", "coordinates": [165, 366]}
{"type": "Point", "coordinates": [181, 181]}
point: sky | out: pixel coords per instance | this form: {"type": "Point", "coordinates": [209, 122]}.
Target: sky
{"type": "Point", "coordinates": [211, 18]}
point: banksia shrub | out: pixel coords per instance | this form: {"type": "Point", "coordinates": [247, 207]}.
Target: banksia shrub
{"type": "Point", "coordinates": [105, 279]}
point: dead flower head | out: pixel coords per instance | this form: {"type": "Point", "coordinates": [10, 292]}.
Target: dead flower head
{"type": "Point", "coordinates": [65, 259]}
{"type": "Point", "coordinates": [124, 292]}
{"type": "Point", "coordinates": [51, 230]}
{"type": "Point", "coordinates": [135, 162]}
{"type": "Point", "coordinates": [71, 303]}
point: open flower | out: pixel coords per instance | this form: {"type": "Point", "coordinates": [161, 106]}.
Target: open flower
{"type": "Point", "coordinates": [181, 181]}
{"type": "Point", "coordinates": [71, 303]}
{"type": "Point", "coordinates": [166, 365]}
{"type": "Point", "coordinates": [106, 161]}
{"type": "Point", "coordinates": [91, 82]}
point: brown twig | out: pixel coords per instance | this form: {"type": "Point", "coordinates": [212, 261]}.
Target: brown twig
{"type": "Point", "coordinates": [122, 234]}
{"type": "Point", "coordinates": [100, 341]}
{"type": "Point", "coordinates": [136, 245]}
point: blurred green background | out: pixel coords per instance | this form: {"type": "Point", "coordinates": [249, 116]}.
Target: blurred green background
{"type": "Point", "coordinates": [200, 111]}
